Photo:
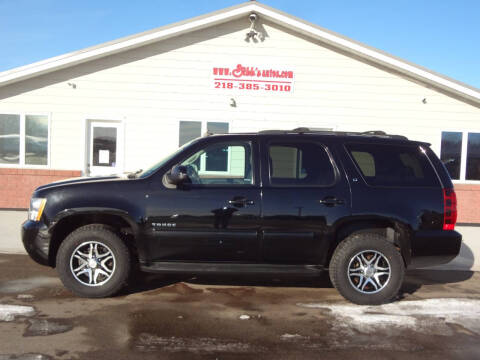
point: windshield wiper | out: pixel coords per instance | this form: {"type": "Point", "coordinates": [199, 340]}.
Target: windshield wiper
{"type": "Point", "coordinates": [133, 175]}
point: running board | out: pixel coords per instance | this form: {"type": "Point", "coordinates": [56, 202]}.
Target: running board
{"type": "Point", "coordinates": [172, 267]}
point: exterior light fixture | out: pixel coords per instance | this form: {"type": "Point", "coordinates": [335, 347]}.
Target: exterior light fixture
{"type": "Point", "coordinates": [252, 33]}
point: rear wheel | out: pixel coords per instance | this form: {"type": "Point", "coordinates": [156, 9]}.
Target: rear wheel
{"type": "Point", "coordinates": [93, 261]}
{"type": "Point", "coordinates": [367, 269]}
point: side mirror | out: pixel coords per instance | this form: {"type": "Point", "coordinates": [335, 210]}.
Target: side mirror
{"type": "Point", "coordinates": [178, 175]}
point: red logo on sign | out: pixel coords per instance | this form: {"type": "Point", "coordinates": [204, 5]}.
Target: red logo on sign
{"type": "Point", "coordinates": [250, 71]}
{"type": "Point", "coordinates": [253, 78]}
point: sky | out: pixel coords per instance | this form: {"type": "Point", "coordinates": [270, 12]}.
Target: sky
{"type": "Point", "coordinates": [441, 35]}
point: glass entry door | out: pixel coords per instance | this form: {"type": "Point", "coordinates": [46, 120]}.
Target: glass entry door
{"type": "Point", "coordinates": [105, 148]}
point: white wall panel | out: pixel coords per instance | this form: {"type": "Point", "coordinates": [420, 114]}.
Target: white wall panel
{"type": "Point", "coordinates": [152, 88]}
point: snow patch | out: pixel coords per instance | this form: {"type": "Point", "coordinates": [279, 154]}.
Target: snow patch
{"type": "Point", "coordinates": [9, 312]}
{"type": "Point", "coordinates": [25, 357]}
{"type": "Point", "coordinates": [23, 285]}
{"type": "Point", "coordinates": [244, 317]}
{"type": "Point", "coordinates": [430, 315]}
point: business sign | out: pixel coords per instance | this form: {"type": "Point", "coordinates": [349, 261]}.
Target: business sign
{"type": "Point", "coordinates": [247, 78]}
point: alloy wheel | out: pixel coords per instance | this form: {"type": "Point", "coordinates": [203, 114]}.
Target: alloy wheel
{"type": "Point", "coordinates": [92, 263]}
{"type": "Point", "coordinates": [369, 271]}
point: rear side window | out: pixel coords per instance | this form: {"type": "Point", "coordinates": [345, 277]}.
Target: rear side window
{"type": "Point", "coordinates": [304, 164]}
{"type": "Point", "coordinates": [392, 165]}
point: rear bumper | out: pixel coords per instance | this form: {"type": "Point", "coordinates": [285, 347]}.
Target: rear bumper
{"type": "Point", "coordinates": [434, 247]}
{"type": "Point", "coordinates": [36, 240]}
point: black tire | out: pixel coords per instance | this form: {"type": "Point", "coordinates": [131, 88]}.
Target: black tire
{"type": "Point", "coordinates": [350, 287]}
{"type": "Point", "coordinates": [105, 239]}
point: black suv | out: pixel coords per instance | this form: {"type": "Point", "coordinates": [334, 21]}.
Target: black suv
{"type": "Point", "coordinates": [363, 205]}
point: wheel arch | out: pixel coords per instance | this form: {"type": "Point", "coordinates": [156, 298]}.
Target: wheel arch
{"type": "Point", "coordinates": [70, 220]}
{"type": "Point", "coordinates": [394, 231]}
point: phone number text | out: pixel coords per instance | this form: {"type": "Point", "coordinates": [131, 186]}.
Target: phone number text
{"type": "Point", "coordinates": [252, 86]}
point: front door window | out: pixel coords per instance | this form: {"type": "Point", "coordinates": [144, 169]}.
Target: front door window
{"type": "Point", "coordinates": [221, 164]}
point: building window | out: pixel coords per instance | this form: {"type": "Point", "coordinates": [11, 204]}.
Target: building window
{"type": "Point", "coordinates": [9, 139]}
{"type": "Point", "coordinates": [189, 130]}
{"type": "Point", "coordinates": [216, 161]}
{"type": "Point", "coordinates": [451, 153]}
{"type": "Point", "coordinates": [24, 139]}
{"type": "Point", "coordinates": [473, 157]}
{"type": "Point", "coordinates": [460, 152]}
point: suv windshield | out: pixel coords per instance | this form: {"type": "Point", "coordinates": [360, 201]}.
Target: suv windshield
{"type": "Point", "coordinates": [158, 165]}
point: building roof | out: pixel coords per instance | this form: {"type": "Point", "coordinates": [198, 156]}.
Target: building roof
{"type": "Point", "coordinates": [363, 52]}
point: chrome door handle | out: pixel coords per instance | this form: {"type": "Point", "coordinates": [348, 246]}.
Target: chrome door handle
{"type": "Point", "coordinates": [331, 201]}
{"type": "Point", "coordinates": [240, 202]}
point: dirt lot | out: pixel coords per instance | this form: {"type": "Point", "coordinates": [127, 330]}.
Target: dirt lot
{"type": "Point", "coordinates": [437, 316]}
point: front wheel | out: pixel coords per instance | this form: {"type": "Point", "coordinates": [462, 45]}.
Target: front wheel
{"type": "Point", "coordinates": [367, 269]}
{"type": "Point", "coordinates": [93, 262]}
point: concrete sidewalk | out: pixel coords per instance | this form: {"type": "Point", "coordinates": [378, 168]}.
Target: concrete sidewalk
{"type": "Point", "coordinates": [468, 259]}
{"type": "Point", "coordinates": [10, 238]}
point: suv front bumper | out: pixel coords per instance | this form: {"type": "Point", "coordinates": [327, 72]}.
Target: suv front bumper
{"type": "Point", "coordinates": [434, 247]}
{"type": "Point", "coordinates": [36, 240]}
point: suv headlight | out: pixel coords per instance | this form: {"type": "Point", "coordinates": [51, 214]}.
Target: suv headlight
{"type": "Point", "coordinates": [36, 208]}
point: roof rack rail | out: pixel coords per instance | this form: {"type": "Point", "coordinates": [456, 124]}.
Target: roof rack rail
{"type": "Point", "coordinates": [303, 130]}
{"type": "Point", "coordinates": [374, 132]}
{"type": "Point", "coordinates": [298, 130]}
{"type": "Point", "coordinates": [273, 131]}
{"type": "Point", "coordinates": [211, 133]}
{"type": "Point", "coordinates": [306, 129]}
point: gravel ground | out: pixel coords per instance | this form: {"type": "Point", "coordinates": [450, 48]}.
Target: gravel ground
{"type": "Point", "coordinates": [436, 316]}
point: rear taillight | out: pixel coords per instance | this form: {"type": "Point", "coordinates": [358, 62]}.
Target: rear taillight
{"type": "Point", "coordinates": [449, 209]}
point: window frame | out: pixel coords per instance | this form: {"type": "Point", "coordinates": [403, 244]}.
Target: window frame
{"type": "Point", "coordinates": [360, 172]}
{"type": "Point", "coordinates": [254, 162]}
{"type": "Point", "coordinates": [294, 143]}
{"type": "Point", "coordinates": [463, 155]}
{"type": "Point", "coordinates": [21, 164]}
{"type": "Point", "coordinates": [203, 130]}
